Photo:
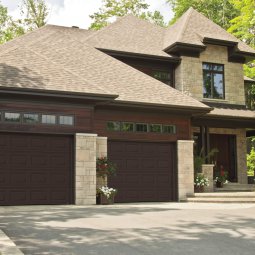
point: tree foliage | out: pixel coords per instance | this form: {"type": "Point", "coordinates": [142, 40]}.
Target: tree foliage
{"type": "Point", "coordinates": [9, 28]}
{"type": "Point", "coordinates": [36, 13]}
{"type": "Point", "coordinates": [219, 11]}
{"type": "Point", "coordinates": [111, 9]}
{"type": "Point", "coordinates": [251, 162]}
{"type": "Point", "coordinates": [243, 27]}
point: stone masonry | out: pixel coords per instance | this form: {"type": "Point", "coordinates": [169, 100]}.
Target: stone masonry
{"type": "Point", "coordinates": [85, 169]}
{"type": "Point", "coordinates": [185, 168]}
{"type": "Point", "coordinates": [207, 171]}
{"type": "Point", "coordinates": [189, 75]}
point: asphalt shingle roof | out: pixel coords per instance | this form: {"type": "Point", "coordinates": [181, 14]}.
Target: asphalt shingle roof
{"type": "Point", "coordinates": [131, 34]}
{"type": "Point", "coordinates": [53, 58]}
{"type": "Point", "coordinates": [193, 27]}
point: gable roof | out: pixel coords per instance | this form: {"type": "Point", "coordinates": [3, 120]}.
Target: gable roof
{"type": "Point", "coordinates": [193, 28]}
{"type": "Point", "coordinates": [55, 59]}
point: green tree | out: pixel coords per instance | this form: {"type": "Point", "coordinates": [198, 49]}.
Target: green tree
{"type": "Point", "coordinates": [219, 11]}
{"type": "Point", "coordinates": [36, 13]}
{"type": "Point", "coordinates": [251, 162]}
{"type": "Point", "coordinates": [9, 28]}
{"type": "Point", "coordinates": [243, 27]}
{"type": "Point", "coordinates": [118, 8]}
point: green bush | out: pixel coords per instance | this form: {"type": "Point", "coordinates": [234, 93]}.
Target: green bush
{"type": "Point", "coordinates": [251, 162]}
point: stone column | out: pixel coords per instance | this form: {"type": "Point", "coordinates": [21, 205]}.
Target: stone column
{"type": "Point", "coordinates": [85, 169]}
{"type": "Point", "coordinates": [207, 171]}
{"type": "Point", "coordinates": [101, 152]}
{"type": "Point", "coordinates": [185, 166]}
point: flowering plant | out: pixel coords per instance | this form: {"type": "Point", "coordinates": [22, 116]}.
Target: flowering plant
{"type": "Point", "coordinates": [104, 167]}
{"type": "Point", "coordinates": [221, 176]}
{"type": "Point", "coordinates": [201, 180]}
{"type": "Point", "coordinates": [106, 191]}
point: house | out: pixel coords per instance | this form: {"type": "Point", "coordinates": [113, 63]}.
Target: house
{"type": "Point", "coordinates": [134, 91]}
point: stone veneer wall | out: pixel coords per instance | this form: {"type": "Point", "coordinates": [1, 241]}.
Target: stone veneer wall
{"type": "Point", "coordinates": [185, 165]}
{"type": "Point", "coordinates": [101, 152]}
{"type": "Point", "coordinates": [207, 171]}
{"type": "Point", "coordinates": [189, 75]}
{"type": "Point", "coordinates": [85, 169]}
{"type": "Point", "coordinates": [241, 149]}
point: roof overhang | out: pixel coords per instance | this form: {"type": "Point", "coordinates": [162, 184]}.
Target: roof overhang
{"type": "Point", "coordinates": [180, 49]}
{"type": "Point", "coordinates": [235, 55]}
{"type": "Point", "coordinates": [115, 53]}
{"type": "Point", "coordinates": [54, 96]}
{"type": "Point", "coordinates": [180, 110]}
{"type": "Point", "coordinates": [217, 121]}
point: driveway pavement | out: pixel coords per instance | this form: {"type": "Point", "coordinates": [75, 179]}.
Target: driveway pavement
{"type": "Point", "coordinates": [132, 229]}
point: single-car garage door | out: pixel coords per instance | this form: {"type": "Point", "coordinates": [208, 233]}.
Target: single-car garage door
{"type": "Point", "coordinates": [145, 171]}
{"type": "Point", "coordinates": [35, 169]}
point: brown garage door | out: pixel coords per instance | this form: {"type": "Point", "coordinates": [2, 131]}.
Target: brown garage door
{"type": "Point", "coordinates": [35, 169]}
{"type": "Point", "coordinates": [145, 171]}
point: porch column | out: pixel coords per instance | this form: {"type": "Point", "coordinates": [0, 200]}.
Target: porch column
{"type": "Point", "coordinates": [85, 169]}
{"type": "Point", "coordinates": [207, 171]}
{"type": "Point", "coordinates": [185, 166]}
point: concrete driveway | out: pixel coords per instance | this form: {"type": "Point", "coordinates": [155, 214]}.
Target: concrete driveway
{"type": "Point", "coordinates": [132, 229]}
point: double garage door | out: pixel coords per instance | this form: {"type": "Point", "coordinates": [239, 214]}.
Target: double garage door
{"type": "Point", "coordinates": [35, 169]}
{"type": "Point", "coordinates": [145, 171]}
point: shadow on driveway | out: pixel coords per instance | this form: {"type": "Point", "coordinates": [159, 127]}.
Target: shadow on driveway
{"type": "Point", "coordinates": [129, 230]}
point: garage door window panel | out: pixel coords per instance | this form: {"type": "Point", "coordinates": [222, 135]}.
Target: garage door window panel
{"type": "Point", "coordinates": [49, 119]}
{"type": "Point", "coordinates": [12, 117]}
{"type": "Point", "coordinates": [30, 118]}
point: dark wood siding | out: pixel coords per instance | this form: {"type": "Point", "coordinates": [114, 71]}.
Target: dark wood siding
{"type": "Point", "coordinates": [102, 116]}
{"type": "Point", "coordinates": [147, 66]}
{"type": "Point", "coordinates": [82, 114]}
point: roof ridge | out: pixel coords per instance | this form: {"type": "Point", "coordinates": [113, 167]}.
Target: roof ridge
{"type": "Point", "coordinates": [15, 46]}
{"type": "Point", "coordinates": [185, 24]}
{"type": "Point", "coordinates": [106, 27]}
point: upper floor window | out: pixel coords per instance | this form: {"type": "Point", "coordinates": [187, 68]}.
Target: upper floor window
{"type": "Point", "coordinates": [163, 76]}
{"type": "Point", "coordinates": [213, 81]}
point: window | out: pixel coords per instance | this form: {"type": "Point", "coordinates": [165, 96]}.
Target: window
{"type": "Point", "coordinates": [113, 126]}
{"type": "Point", "coordinates": [12, 117]}
{"type": "Point", "coordinates": [155, 128]}
{"type": "Point", "coordinates": [66, 120]}
{"type": "Point", "coordinates": [163, 76]}
{"type": "Point", "coordinates": [48, 119]}
{"type": "Point", "coordinates": [30, 118]}
{"type": "Point", "coordinates": [170, 129]}
{"type": "Point", "coordinates": [213, 77]}
{"type": "Point", "coordinates": [141, 127]}
{"type": "Point", "coordinates": [127, 126]}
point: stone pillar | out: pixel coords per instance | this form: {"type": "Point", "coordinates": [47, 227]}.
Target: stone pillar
{"type": "Point", "coordinates": [101, 152]}
{"type": "Point", "coordinates": [207, 171]}
{"type": "Point", "coordinates": [185, 166]}
{"type": "Point", "coordinates": [85, 169]}
{"type": "Point", "coordinates": [241, 150]}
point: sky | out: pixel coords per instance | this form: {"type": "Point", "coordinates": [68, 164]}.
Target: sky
{"type": "Point", "coordinates": [76, 12]}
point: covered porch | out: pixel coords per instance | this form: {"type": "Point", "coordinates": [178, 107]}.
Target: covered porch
{"type": "Point", "coordinates": [226, 130]}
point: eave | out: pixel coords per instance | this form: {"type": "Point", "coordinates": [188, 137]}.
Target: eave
{"type": "Point", "coordinates": [176, 109]}
{"type": "Point", "coordinates": [115, 53]}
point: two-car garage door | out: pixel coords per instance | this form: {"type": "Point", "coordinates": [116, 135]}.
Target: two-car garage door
{"type": "Point", "coordinates": [145, 171]}
{"type": "Point", "coordinates": [35, 169]}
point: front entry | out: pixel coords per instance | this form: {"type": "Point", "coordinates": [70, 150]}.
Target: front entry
{"type": "Point", "coordinates": [226, 157]}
